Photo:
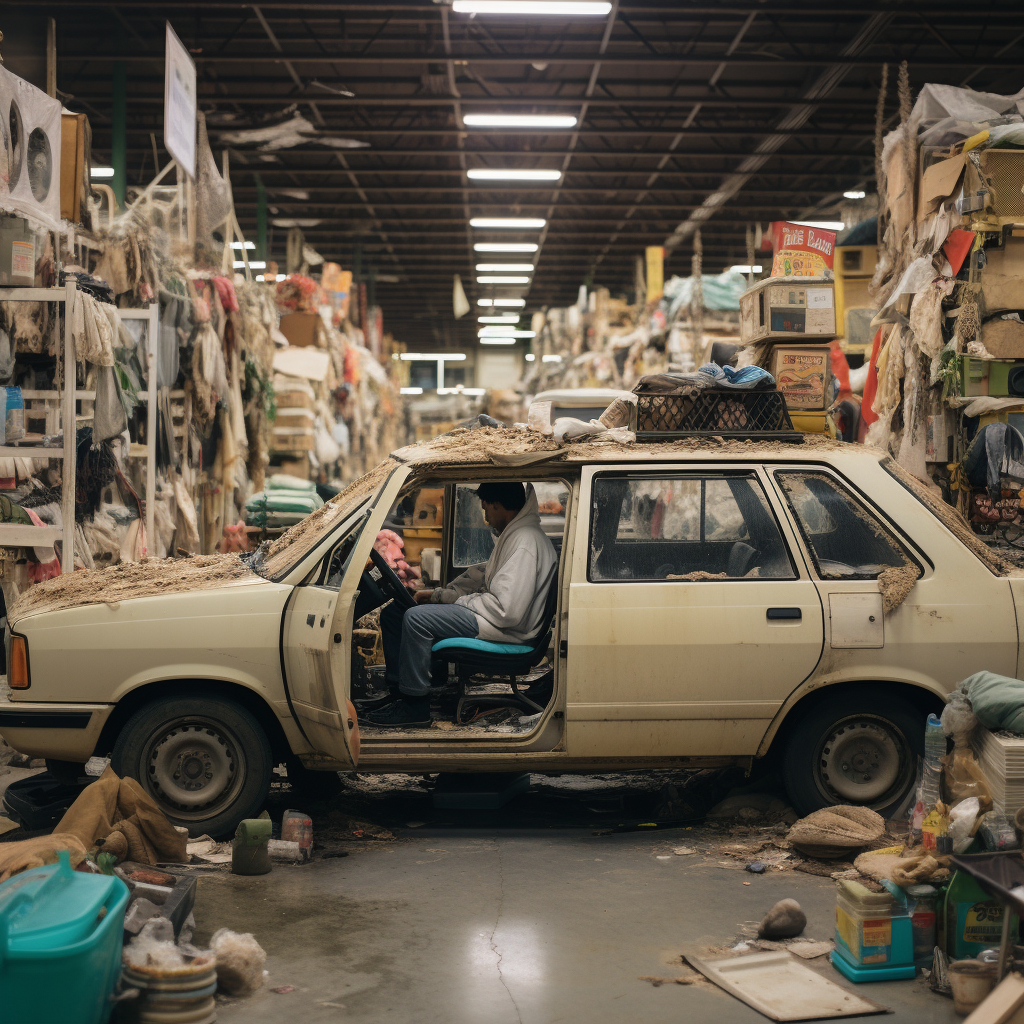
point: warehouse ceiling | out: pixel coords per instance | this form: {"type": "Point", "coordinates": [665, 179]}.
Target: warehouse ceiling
{"type": "Point", "coordinates": [714, 116]}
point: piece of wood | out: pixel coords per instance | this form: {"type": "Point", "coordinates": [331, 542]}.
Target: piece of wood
{"type": "Point", "coordinates": [783, 988]}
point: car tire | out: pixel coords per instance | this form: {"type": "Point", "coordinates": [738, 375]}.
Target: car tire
{"type": "Point", "coordinates": [317, 785]}
{"type": "Point", "coordinates": [859, 746]}
{"type": "Point", "coordinates": [205, 761]}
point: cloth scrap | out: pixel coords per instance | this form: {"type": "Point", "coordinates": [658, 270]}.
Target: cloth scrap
{"type": "Point", "coordinates": [119, 815]}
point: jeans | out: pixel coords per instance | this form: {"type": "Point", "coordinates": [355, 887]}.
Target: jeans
{"type": "Point", "coordinates": [409, 635]}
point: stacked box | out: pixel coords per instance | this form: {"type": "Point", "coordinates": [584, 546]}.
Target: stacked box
{"type": "Point", "coordinates": [788, 309]}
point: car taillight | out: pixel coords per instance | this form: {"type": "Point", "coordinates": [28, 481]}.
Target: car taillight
{"type": "Point", "coordinates": [17, 677]}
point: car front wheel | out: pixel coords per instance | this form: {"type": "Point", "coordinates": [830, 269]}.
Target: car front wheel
{"type": "Point", "coordinates": [205, 761]}
{"type": "Point", "coordinates": [859, 746]}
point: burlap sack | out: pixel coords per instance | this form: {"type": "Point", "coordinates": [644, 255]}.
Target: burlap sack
{"type": "Point", "coordinates": [835, 831]}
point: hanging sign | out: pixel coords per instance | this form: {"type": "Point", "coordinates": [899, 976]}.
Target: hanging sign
{"type": "Point", "coordinates": [801, 251]}
{"type": "Point", "coordinates": [180, 103]}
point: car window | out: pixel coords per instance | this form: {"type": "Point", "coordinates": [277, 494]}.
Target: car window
{"type": "Point", "coordinates": [684, 527]}
{"type": "Point", "coordinates": [845, 539]}
{"type": "Point", "coordinates": [473, 541]}
{"type": "Point", "coordinates": [337, 563]}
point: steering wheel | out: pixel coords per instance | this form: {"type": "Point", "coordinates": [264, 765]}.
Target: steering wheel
{"type": "Point", "coordinates": [387, 579]}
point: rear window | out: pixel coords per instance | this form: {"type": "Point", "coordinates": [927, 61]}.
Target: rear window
{"type": "Point", "coordinates": [845, 539]}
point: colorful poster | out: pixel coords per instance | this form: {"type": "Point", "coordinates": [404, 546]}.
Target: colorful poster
{"type": "Point", "coordinates": [801, 251]}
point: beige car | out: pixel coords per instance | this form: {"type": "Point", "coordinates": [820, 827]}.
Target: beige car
{"type": "Point", "coordinates": [715, 603]}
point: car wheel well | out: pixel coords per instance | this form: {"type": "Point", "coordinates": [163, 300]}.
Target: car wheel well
{"type": "Point", "coordinates": [924, 700]}
{"type": "Point", "coordinates": [241, 695]}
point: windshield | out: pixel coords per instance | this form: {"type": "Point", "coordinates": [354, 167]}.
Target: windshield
{"type": "Point", "coordinates": [275, 560]}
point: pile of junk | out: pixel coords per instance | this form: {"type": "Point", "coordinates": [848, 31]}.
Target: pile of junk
{"type": "Point", "coordinates": [105, 903]}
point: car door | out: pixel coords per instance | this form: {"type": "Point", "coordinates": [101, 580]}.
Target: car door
{"type": "Point", "coordinates": [690, 620]}
{"type": "Point", "coordinates": [317, 631]}
{"type": "Point", "coordinates": [955, 619]}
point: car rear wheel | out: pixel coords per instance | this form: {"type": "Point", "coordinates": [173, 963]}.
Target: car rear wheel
{"type": "Point", "coordinates": [205, 761]}
{"type": "Point", "coordinates": [859, 746]}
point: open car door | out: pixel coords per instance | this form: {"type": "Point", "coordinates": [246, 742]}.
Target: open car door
{"type": "Point", "coordinates": [317, 632]}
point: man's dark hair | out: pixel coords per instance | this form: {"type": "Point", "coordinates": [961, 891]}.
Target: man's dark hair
{"type": "Point", "coordinates": [511, 497]}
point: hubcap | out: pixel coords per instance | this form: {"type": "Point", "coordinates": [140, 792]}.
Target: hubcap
{"type": "Point", "coordinates": [194, 767]}
{"type": "Point", "coordinates": [861, 760]}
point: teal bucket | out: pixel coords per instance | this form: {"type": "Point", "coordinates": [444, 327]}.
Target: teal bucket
{"type": "Point", "coordinates": [60, 944]}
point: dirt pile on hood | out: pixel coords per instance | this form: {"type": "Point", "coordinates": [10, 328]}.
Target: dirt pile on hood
{"type": "Point", "coordinates": [131, 580]}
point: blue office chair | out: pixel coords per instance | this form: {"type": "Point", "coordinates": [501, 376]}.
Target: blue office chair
{"type": "Point", "coordinates": [471, 656]}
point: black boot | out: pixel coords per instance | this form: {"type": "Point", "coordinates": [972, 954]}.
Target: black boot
{"type": "Point", "coordinates": [404, 713]}
{"type": "Point", "coordinates": [381, 700]}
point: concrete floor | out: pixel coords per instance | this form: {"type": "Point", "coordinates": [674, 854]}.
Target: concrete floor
{"type": "Point", "coordinates": [511, 927]}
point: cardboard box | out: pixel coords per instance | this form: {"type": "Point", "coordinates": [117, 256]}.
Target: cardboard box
{"type": "Point", "coordinates": [802, 374]}
{"type": "Point", "coordinates": [303, 329]}
{"type": "Point", "coordinates": [1003, 339]}
{"type": "Point", "coordinates": [1002, 280]}
{"type": "Point", "coordinates": [788, 309]}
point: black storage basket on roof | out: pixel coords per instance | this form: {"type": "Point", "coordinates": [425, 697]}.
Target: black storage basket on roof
{"type": "Point", "coordinates": [714, 411]}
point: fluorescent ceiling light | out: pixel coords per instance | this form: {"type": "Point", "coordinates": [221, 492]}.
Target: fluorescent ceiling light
{"type": "Point", "coordinates": [486, 268]}
{"type": "Point", "coordinates": [507, 222]}
{"type": "Point", "coordinates": [745, 268]}
{"type": "Point", "coordinates": [243, 245]}
{"type": "Point", "coordinates": [825, 225]}
{"type": "Point", "coordinates": [446, 356]}
{"type": "Point", "coordinates": [504, 318]}
{"type": "Point", "coordinates": [253, 265]}
{"type": "Point", "coordinates": [410, 391]}
{"type": "Point", "coordinates": [102, 172]}
{"type": "Point", "coordinates": [505, 246]}
{"type": "Point", "coordinates": [504, 332]}
{"type": "Point", "coordinates": [497, 341]}
{"type": "Point", "coordinates": [511, 174]}
{"type": "Point", "coordinates": [460, 390]}
{"type": "Point", "coordinates": [273, 277]}
{"type": "Point", "coordinates": [520, 120]}
{"type": "Point", "coordinates": [855, 194]}
{"type": "Point", "coordinates": [501, 302]}
{"type": "Point", "coordinates": [503, 279]}
{"type": "Point", "coordinates": [552, 359]}
{"type": "Point", "coordinates": [573, 8]}
{"type": "Point", "coordinates": [530, 357]}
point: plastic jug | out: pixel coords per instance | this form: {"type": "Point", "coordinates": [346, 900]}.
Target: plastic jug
{"type": "Point", "coordinates": [973, 920]}
{"type": "Point", "coordinates": [874, 935]}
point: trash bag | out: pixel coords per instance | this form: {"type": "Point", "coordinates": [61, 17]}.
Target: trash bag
{"type": "Point", "coordinates": [963, 778]}
{"type": "Point", "coordinates": [997, 701]}
{"type": "Point", "coordinates": [958, 719]}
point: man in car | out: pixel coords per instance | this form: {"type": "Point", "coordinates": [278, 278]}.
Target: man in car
{"type": "Point", "coordinates": [501, 600]}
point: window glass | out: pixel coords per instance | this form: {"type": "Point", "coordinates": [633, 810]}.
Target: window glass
{"type": "Point", "coordinates": [695, 528]}
{"type": "Point", "coordinates": [342, 553]}
{"type": "Point", "coordinates": [473, 541]}
{"type": "Point", "coordinates": [845, 539]}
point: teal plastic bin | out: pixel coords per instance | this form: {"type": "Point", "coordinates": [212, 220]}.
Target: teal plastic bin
{"type": "Point", "coordinates": [60, 945]}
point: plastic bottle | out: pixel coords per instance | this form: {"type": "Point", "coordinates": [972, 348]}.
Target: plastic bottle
{"type": "Point", "coordinates": [934, 751]}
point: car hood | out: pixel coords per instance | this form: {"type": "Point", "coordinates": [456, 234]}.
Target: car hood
{"type": "Point", "coordinates": [129, 581]}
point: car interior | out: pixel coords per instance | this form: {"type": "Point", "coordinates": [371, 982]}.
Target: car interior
{"type": "Point", "coordinates": [432, 534]}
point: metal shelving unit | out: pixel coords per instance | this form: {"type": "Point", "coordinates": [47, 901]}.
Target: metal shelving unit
{"type": "Point", "coordinates": [16, 535]}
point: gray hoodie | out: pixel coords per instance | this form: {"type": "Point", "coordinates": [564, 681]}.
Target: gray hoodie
{"type": "Point", "coordinates": [507, 592]}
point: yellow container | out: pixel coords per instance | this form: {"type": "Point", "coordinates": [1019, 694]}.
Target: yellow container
{"type": "Point", "coordinates": [812, 422]}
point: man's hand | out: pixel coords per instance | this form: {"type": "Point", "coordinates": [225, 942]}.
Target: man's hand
{"type": "Point", "coordinates": [423, 596]}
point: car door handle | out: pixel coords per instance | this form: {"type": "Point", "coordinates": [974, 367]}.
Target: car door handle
{"type": "Point", "coordinates": [784, 614]}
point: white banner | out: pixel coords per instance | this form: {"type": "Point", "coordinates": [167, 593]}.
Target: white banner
{"type": "Point", "coordinates": [180, 103]}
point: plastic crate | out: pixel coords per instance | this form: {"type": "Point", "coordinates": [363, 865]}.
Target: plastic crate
{"type": "Point", "coordinates": [717, 412]}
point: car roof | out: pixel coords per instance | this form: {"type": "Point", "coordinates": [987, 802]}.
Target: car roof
{"type": "Point", "coordinates": [581, 396]}
{"type": "Point", "coordinates": [492, 446]}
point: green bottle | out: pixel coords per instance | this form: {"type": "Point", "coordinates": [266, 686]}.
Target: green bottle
{"type": "Point", "coordinates": [973, 920]}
